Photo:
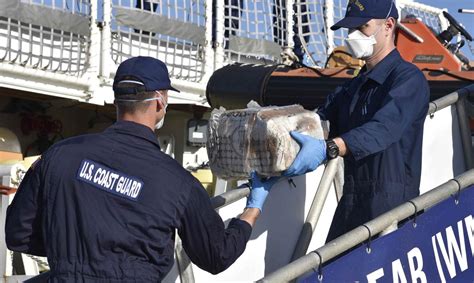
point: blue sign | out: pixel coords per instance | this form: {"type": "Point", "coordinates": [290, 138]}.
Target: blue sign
{"type": "Point", "coordinates": [439, 248]}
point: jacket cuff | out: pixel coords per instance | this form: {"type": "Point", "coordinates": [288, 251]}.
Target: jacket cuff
{"type": "Point", "coordinates": [353, 145]}
{"type": "Point", "coordinates": [242, 226]}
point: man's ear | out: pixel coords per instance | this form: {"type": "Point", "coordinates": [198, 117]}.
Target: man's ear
{"type": "Point", "coordinates": [390, 23]}
{"type": "Point", "coordinates": [159, 103]}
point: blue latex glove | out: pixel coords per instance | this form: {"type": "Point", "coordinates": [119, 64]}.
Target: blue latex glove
{"type": "Point", "coordinates": [312, 153]}
{"type": "Point", "coordinates": [259, 190]}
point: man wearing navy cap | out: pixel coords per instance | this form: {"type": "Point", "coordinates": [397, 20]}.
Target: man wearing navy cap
{"type": "Point", "coordinates": [105, 207]}
{"type": "Point", "coordinates": [376, 119]}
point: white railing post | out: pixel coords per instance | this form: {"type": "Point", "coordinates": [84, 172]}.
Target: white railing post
{"type": "Point", "coordinates": [94, 47]}
{"type": "Point", "coordinates": [106, 46]}
{"type": "Point", "coordinates": [290, 14]}
{"type": "Point", "coordinates": [93, 60]}
{"type": "Point", "coordinates": [328, 23]}
{"type": "Point", "coordinates": [209, 64]}
{"type": "Point", "coordinates": [219, 44]}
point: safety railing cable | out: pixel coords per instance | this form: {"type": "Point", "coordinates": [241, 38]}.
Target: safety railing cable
{"type": "Point", "coordinates": [171, 30]}
{"type": "Point", "coordinates": [46, 35]}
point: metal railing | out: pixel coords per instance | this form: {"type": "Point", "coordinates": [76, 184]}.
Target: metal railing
{"type": "Point", "coordinates": [51, 36]}
{"type": "Point", "coordinates": [64, 47]}
{"type": "Point", "coordinates": [251, 31]}
{"type": "Point", "coordinates": [459, 98]}
{"type": "Point", "coordinates": [170, 30]}
{"type": "Point", "coordinates": [362, 233]}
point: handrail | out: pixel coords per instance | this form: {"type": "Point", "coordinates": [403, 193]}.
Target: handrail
{"type": "Point", "coordinates": [371, 228]}
{"type": "Point", "coordinates": [459, 98]}
{"type": "Point", "coordinates": [312, 218]}
{"type": "Point", "coordinates": [464, 126]}
{"type": "Point", "coordinates": [230, 196]}
{"type": "Point", "coordinates": [450, 99]}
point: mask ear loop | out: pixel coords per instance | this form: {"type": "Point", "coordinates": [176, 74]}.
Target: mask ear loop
{"type": "Point", "coordinates": [390, 10]}
{"type": "Point", "coordinates": [392, 3]}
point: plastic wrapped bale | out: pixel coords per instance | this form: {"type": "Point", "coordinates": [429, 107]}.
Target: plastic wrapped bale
{"type": "Point", "coordinates": [241, 141]}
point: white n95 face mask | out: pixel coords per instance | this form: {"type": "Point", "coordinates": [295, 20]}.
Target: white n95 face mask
{"type": "Point", "coordinates": [359, 45]}
{"type": "Point", "coordinates": [160, 124]}
{"type": "Point", "coordinates": [162, 121]}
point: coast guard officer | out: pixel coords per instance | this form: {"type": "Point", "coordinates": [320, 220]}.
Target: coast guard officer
{"type": "Point", "coordinates": [376, 120]}
{"type": "Point", "coordinates": [105, 207]}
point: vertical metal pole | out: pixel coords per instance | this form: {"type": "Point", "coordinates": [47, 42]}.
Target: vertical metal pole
{"type": "Point", "coordinates": [94, 54]}
{"type": "Point", "coordinates": [464, 128]}
{"type": "Point", "coordinates": [185, 267]}
{"type": "Point", "coordinates": [328, 22]}
{"type": "Point", "coordinates": [106, 45]}
{"type": "Point", "coordinates": [208, 48]}
{"type": "Point", "coordinates": [315, 211]}
{"type": "Point", "coordinates": [219, 44]}
{"type": "Point", "coordinates": [290, 13]}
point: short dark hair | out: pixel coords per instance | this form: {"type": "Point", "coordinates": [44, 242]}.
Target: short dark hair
{"type": "Point", "coordinates": [133, 106]}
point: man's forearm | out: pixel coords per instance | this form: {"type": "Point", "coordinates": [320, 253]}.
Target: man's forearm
{"type": "Point", "coordinates": [250, 215]}
{"type": "Point", "coordinates": [343, 150]}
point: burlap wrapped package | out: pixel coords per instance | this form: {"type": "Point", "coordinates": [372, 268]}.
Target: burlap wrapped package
{"type": "Point", "coordinates": [240, 141]}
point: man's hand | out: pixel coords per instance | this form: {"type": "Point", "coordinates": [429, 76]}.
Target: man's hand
{"type": "Point", "coordinates": [259, 190]}
{"type": "Point", "coordinates": [312, 153]}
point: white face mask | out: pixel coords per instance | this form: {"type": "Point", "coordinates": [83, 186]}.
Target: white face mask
{"type": "Point", "coordinates": [360, 45]}
{"type": "Point", "coordinates": [160, 123]}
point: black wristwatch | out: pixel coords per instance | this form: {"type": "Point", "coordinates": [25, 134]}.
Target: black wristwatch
{"type": "Point", "coordinates": [332, 150]}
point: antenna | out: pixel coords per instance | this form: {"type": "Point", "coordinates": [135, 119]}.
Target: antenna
{"type": "Point", "coordinates": [466, 11]}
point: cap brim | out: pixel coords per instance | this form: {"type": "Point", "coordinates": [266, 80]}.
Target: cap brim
{"type": "Point", "coordinates": [350, 22]}
{"type": "Point", "coordinates": [173, 89]}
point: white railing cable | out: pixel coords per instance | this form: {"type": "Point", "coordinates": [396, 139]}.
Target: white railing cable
{"type": "Point", "coordinates": [170, 30]}
{"type": "Point", "coordinates": [254, 31]}
{"type": "Point", "coordinates": [193, 37]}
{"type": "Point", "coordinates": [34, 34]}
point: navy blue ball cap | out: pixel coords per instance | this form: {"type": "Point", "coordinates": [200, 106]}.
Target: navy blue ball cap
{"type": "Point", "coordinates": [148, 73]}
{"type": "Point", "coordinates": [360, 12]}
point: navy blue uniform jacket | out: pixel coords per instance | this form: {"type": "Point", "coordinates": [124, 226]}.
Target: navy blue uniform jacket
{"type": "Point", "coordinates": [380, 116]}
{"type": "Point", "coordinates": [105, 207]}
